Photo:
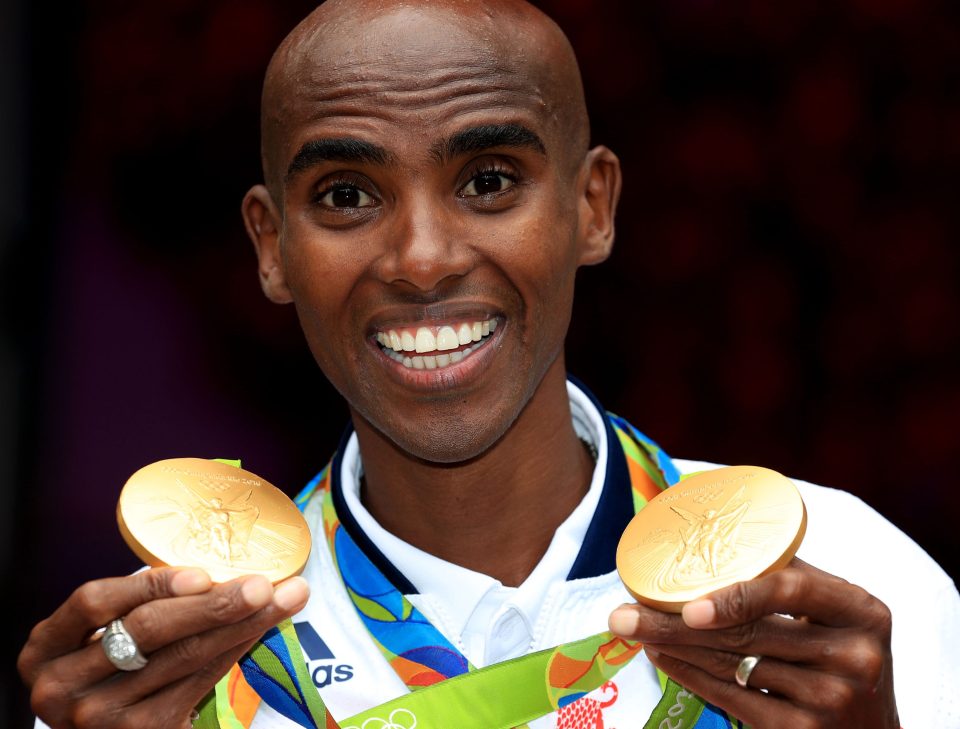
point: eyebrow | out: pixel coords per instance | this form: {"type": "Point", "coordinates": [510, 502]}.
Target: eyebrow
{"type": "Point", "coordinates": [335, 150]}
{"type": "Point", "coordinates": [468, 141]}
{"type": "Point", "coordinates": [487, 136]}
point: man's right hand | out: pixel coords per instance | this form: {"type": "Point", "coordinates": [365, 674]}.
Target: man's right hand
{"type": "Point", "coordinates": [190, 630]}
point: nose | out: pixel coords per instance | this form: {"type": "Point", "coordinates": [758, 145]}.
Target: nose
{"type": "Point", "coordinates": [424, 246]}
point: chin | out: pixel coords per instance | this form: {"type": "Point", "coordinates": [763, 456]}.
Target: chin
{"type": "Point", "coordinates": [446, 441]}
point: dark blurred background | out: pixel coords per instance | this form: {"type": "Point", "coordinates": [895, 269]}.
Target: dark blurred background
{"type": "Point", "coordinates": [784, 290]}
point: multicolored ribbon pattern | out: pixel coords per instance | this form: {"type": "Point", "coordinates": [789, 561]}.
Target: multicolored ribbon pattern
{"type": "Point", "coordinates": [446, 689]}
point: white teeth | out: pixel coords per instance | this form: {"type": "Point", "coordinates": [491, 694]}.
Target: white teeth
{"type": "Point", "coordinates": [396, 343]}
{"type": "Point", "coordinates": [425, 342]}
{"type": "Point", "coordinates": [446, 338]}
{"type": "Point", "coordinates": [431, 362]}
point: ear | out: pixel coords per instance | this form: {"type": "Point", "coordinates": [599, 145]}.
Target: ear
{"type": "Point", "coordinates": [262, 221]}
{"type": "Point", "coordinates": [599, 187]}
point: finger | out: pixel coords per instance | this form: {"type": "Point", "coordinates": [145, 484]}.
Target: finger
{"type": "Point", "coordinates": [166, 709]}
{"type": "Point", "coordinates": [772, 635]}
{"type": "Point", "coordinates": [798, 563]}
{"type": "Point", "coordinates": [822, 598]}
{"type": "Point", "coordinates": [803, 686]}
{"type": "Point", "coordinates": [155, 624]}
{"type": "Point", "coordinates": [189, 691]}
{"type": "Point", "coordinates": [95, 604]}
{"type": "Point", "coordinates": [189, 655]}
{"type": "Point", "coordinates": [85, 678]}
{"type": "Point", "coordinates": [159, 623]}
{"type": "Point", "coordinates": [754, 708]}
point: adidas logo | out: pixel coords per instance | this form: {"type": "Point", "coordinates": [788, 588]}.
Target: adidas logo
{"type": "Point", "coordinates": [317, 650]}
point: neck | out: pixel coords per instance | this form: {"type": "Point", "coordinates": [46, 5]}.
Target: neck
{"type": "Point", "coordinates": [496, 513]}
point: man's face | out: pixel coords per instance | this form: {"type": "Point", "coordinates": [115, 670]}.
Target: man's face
{"type": "Point", "coordinates": [430, 231]}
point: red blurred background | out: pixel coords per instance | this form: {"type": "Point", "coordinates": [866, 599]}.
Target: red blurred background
{"type": "Point", "coordinates": [784, 289]}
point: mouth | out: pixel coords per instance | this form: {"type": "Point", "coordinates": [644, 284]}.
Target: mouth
{"type": "Point", "coordinates": [435, 347]}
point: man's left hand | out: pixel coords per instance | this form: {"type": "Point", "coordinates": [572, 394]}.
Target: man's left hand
{"type": "Point", "coordinates": [829, 665]}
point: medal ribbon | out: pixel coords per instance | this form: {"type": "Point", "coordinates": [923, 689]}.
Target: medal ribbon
{"type": "Point", "coordinates": [446, 690]}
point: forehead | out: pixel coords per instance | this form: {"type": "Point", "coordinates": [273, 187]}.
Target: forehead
{"type": "Point", "coordinates": [410, 75]}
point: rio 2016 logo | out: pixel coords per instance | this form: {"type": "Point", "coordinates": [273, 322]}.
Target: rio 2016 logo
{"type": "Point", "coordinates": [398, 719]}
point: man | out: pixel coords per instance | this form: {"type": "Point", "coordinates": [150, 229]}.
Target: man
{"type": "Point", "coordinates": [429, 196]}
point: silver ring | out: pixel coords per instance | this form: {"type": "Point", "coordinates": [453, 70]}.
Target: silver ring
{"type": "Point", "coordinates": [745, 668]}
{"type": "Point", "coordinates": [120, 648]}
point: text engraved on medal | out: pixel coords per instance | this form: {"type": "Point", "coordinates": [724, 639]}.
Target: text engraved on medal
{"type": "Point", "coordinates": [213, 481]}
{"type": "Point", "coordinates": [709, 491]}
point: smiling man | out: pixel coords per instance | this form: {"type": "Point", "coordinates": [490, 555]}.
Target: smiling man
{"type": "Point", "coordinates": [429, 196]}
{"type": "Point", "coordinates": [426, 209]}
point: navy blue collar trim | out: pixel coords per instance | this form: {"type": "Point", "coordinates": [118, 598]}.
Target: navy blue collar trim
{"type": "Point", "coordinates": [396, 577]}
{"type": "Point", "coordinates": [598, 554]}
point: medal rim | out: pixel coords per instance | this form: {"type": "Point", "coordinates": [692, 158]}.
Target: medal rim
{"type": "Point", "coordinates": [218, 574]}
{"type": "Point", "coordinates": [765, 566]}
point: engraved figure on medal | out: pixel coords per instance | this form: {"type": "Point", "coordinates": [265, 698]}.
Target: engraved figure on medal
{"type": "Point", "coordinates": [213, 515]}
{"type": "Point", "coordinates": [222, 531]}
{"type": "Point", "coordinates": [706, 547]}
{"type": "Point", "coordinates": [711, 529]}
{"type": "Point", "coordinates": [219, 530]}
{"type": "Point", "coordinates": [711, 540]}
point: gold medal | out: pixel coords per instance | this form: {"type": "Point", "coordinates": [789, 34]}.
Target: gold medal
{"type": "Point", "coordinates": [192, 512]}
{"type": "Point", "coordinates": [709, 531]}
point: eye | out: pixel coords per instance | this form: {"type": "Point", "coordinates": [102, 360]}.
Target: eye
{"type": "Point", "coordinates": [487, 183]}
{"type": "Point", "coordinates": [341, 195]}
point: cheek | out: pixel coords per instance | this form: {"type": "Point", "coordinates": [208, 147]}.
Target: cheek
{"type": "Point", "coordinates": [321, 271]}
{"type": "Point", "coordinates": [546, 258]}
{"type": "Point", "coordinates": [540, 264]}
{"type": "Point", "coordinates": [321, 280]}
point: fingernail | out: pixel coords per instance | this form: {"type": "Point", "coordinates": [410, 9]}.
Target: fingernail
{"type": "Point", "coordinates": [190, 581]}
{"type": "Point", "coordinates": [291, 594]}
{"type": "Point", "coordinates": [256, 591]}
{"type": "Point", "coordinates": [699, 613]}
{"type": "Point", "coordinates": [624, 621]}
{"type": "Point", "coordinates": [651, 651]}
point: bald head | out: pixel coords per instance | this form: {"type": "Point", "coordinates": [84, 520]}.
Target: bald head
{"type": "Point", "coordinates": [426, 164]}
{"type": "Point", "coordinates": [413, 53]}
